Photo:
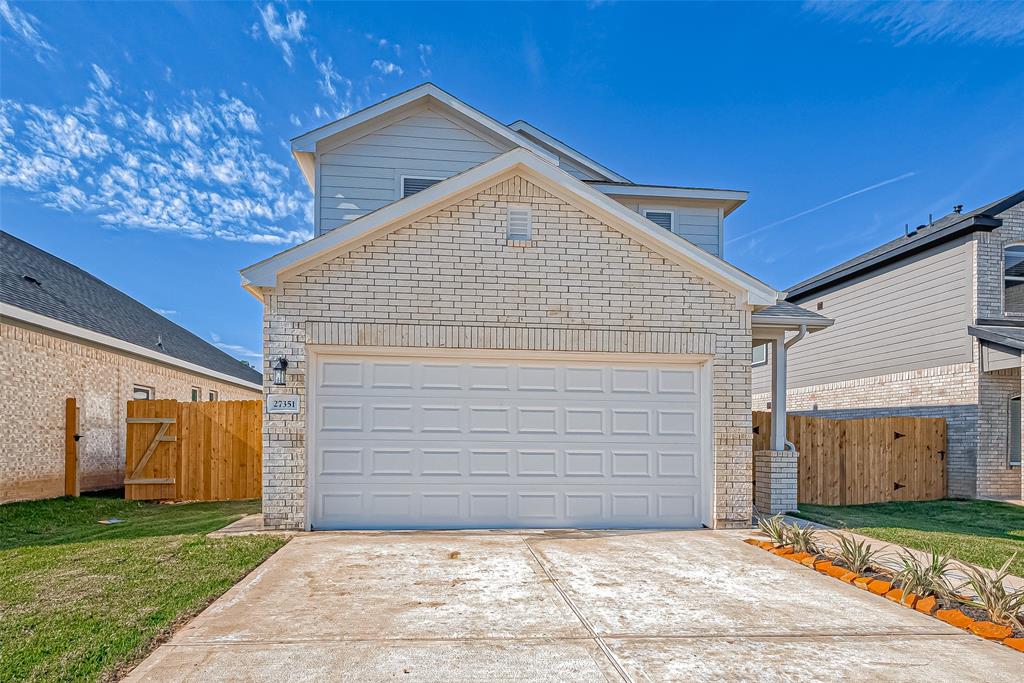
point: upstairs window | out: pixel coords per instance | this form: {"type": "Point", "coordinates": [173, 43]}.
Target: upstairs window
{"type": "Point", "coordinates": [1013, 279]}
{"type": "Point", "coordinates": [661, 218]}
{"type": "Point", "coordinates": [412, 184]}
{"type": "Point", "coordinates": [1013, 417]}
{"type": "Point", "coordinates": [520, 224]}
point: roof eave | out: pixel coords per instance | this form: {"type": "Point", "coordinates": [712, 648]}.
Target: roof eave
{"type": "Point", "coordinates": [577, 156]}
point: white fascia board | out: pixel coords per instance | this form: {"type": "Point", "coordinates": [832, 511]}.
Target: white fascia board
{"type": "Point", "coordinates": [390, 217]}
{"type": "Point", "coordinates": [307, 142]}
{"type": "Point", "coordinates": [566, 150]}
{"type": "Point", "coordinates": [47, 323]}
{"type": "Point", "coordinates": [670, 192]}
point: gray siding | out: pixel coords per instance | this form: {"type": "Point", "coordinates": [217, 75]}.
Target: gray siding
{"type": "Point", "coordinates": [564, 163]}
{"type": "Point", "coordinates": [702, 225]}
{"type": "Point", "coordinates": [365, 174]}
{"type": "Point", "coordinates": [909, 316]}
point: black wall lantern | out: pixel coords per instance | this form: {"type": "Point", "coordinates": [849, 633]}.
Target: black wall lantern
{"type": "Point", "coordinates": [279, 369]}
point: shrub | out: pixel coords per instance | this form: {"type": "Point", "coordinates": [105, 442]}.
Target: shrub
{"type": "Point", "coordinates": [774, 528]}
{"type": "Point", "coordinates": [857, 555]}
{"type": "Point", "coordinates": [922, 578]}
{"type": "Point", "coordinates": [803, 539]}
{"type": "Point", "coordinates": [1003, 606]}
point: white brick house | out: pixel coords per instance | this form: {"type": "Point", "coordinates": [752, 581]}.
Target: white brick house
{"type": "Point", "coordinates": [491, 329]}
{"type": "Point", "coordinates": [929, 324]}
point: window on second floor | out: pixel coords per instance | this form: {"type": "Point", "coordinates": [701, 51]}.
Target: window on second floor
{"type": "Point", "coordinates": [1013, 279]}
{"type": "Point", "coordinates": [412, 184]}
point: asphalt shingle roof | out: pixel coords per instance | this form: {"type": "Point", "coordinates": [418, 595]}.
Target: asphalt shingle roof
{"type": "Point", "coordinates": [785, 310]}
{"type": "Point", "coordinates": [37, 281]}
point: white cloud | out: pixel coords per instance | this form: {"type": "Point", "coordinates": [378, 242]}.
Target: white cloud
{"type": "Point", "coordinates": [25, 26]}
{"type": "Point", "coordinates": [387, 68]}
{"type": "Point", "coordinates": [952, 20]}
{"type": "Point", "coordinates": [233, 349]}
{"type": "Point", "coordinates": [282, 34]}
{"type": "Point", "coordinates": [194, 166]}
{"type": "Point", "coordinates": [331, 80]}
{"type": "Point", "coordinates": [294, 120]}
{"type": "Point", "coordinates": [426, 51]}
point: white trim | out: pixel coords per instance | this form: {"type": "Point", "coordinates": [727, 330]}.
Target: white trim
{"type": "Point", "coordinates": [519, 161]}
{"type": "Point", "coordinates": [706, 363]}
{"type": "Point", "coordinates": [672, 192]}
{"type": "Point", "coordinates": [15, 313]}
{"type": "Point", "coordinates": [144, 387]}
{"type": "Point", "coordinates": [1010, 462]}
{"type": "Point", "coordinates": [565, 150]}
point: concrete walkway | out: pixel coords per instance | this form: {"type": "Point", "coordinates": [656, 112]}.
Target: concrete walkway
{"type": "Point", "coordinates": [559, 606]}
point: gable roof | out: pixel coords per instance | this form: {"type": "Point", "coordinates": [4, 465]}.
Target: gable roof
{"type": "Point", "coordinates": [786, 314]}
{"type": "Point", "coordinates": [304, 146]}
{"type": "Point", "coordinates": [540, 170]}
{"type": "Point", "coordinates": [565, 150]}
{"type": "Point", "coordinates": [949, 227]}
{"type": "Point", "coordinates": [39, 288]}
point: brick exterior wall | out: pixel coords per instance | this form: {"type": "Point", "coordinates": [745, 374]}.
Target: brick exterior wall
{"type": "Point", "coordinates": [996, 479]}
{"type": "Point", "coordinates": [452, 276]}
{"type": "Point", "coordinates": [39, 372]}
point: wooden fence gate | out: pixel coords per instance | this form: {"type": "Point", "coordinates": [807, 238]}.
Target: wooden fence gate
{"type": "Point", "coordinates": [194, 451]}
{"type": "Point", "coordinates": [871, 460]}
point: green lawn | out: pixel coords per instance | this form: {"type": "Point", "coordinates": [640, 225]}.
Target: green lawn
{"type": "Point", "coordinates": [977, 531]}
{"type": "Point", "coordinates": [80, 600]}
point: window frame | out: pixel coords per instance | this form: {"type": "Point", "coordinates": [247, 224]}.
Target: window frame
{"type": "Point", "coordinates": [402, 178]}
{"type": "Point", "coordinates": [759, 363]}
{"type": "Point", "coordinates": [671, 217]}
{"type": "Point", "coordinates": [212, 395]}
{"type": "Point", "coordinates": [1010, 278]}
{"type": "Point", "coordinates": [197, 394]}
{"type": "Point", "coordinates": [151, 391]}
{"type": "Point", "coordinates": [1010, 421]}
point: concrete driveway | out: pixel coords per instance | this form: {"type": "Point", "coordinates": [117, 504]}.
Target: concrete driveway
{"type": "Point", "coordinates": [560, 606]}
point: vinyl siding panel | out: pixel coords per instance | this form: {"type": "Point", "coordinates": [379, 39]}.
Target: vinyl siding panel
{"type": "Point", "coordinates": [363, 175]}
{"type": "Point", "coordinates": [910, 316]}
{"type": "Point", "coordinates": [700, 224]}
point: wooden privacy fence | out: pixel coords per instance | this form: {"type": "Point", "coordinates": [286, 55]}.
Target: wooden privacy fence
{"type": "Point", "coordinates": [194, 451]}
{"type": "Point", "coordinates": [871, 460]}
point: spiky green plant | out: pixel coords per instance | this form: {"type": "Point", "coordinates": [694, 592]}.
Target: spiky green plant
{"type": "Point", "coordinates": [803, 539]}
{"type": "Point", "coordinates": [1003, 606]}
{"type": "Point", "coordinates": [857, 555]}
{"type": "Point", "coordinates": [924, 579]}
{"type": "Point", "coordinates": [774, 528]}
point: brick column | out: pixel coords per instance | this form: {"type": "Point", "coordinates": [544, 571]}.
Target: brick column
{"type": "Point", "coordinates": [775, 490]}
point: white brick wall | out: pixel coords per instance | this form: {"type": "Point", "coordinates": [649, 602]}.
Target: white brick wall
{"type": "Point", "coordinates": [454, 269]}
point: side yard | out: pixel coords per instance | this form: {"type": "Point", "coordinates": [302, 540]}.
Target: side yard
{"type": "Point", "coordinates": [80, 600]}
{"type": "Point", "coordinates": [981, 532]}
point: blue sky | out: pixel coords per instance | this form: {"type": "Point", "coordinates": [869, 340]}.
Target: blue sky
{"type": "Point", "coordinates": [147, 142]}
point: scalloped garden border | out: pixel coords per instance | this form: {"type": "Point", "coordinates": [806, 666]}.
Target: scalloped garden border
{"type": "Point", "coordinates": [954, 617]}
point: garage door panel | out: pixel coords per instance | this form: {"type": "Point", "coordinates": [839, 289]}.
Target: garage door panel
{"type": "Point", "coordinates": [423, 443]}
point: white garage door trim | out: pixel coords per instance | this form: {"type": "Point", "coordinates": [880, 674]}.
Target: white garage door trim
{"type": "Point", "coordinates": [701, 363]}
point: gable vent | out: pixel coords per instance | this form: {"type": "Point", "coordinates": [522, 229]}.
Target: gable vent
{"type": "Point", "coordinates": [520, 223]}
{"type": "Point", "coordinates": [413, 185]}
{"type": "Point", "coordinates": [661, 218]}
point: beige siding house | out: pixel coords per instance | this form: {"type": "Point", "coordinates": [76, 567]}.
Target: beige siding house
{"type": "Point", "coordinates": [499, 337]}
{"type": "Point", "coordinates": [930, 324]}
{"type": "Point", "coordinates": [65, 334]}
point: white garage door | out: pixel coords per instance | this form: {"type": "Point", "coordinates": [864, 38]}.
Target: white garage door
{"type": "Point", "coordinates": [415, 442]}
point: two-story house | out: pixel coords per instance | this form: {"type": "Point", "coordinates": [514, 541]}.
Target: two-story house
{"type": "Point", "coordinates": [929, 324]}
{"type": "Point", "coordinates": [491, 329]}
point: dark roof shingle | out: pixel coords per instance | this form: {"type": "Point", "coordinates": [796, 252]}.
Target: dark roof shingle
{"type": "Point", "coordinates": [37, 281]}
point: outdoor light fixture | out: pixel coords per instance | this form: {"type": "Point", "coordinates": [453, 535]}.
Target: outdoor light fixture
{"type": "Point", "coordinates": [279, 368]}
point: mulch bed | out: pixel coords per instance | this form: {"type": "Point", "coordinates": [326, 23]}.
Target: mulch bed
{"type": "Point", "coordinates": [879, 582]}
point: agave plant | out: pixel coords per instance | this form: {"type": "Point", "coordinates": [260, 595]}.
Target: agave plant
{"type": "Point", "coordinates": [1003, 606]}
{"type": "Point", "coordinates": [803, 539]}
{"type": "Point", "coordinates": [857, 555]}
{"type": "Point", "coordinates": [774, 528]}
{"type": "Point", "coordinates": [924, 579]}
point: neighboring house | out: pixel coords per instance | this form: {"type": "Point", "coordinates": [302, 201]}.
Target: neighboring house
{"type": "Point", "coordinates": [493, 330]}
{"type": "Point", "coordinates": [929, 324]}
{"type": "Point", "coordinates": [65, 334]}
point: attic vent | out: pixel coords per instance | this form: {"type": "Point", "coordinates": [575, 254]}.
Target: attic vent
{"type": "Point", "coordinates": [662, 218]}
{"type": "Point", "coordinates": [520, 223]}
{"type": "Point", "coordinates": [411, 185]}
{"type": "Point", "coordinates": [31, 280]}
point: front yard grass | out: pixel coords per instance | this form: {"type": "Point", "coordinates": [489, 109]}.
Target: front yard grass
{"type": "Point", "coordinates": [981, 532]}
{"type": "Point", "coordinates": [83, 601]}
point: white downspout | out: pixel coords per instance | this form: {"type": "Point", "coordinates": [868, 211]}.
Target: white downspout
{"type": "Point", "coordinates": [799, 335]}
